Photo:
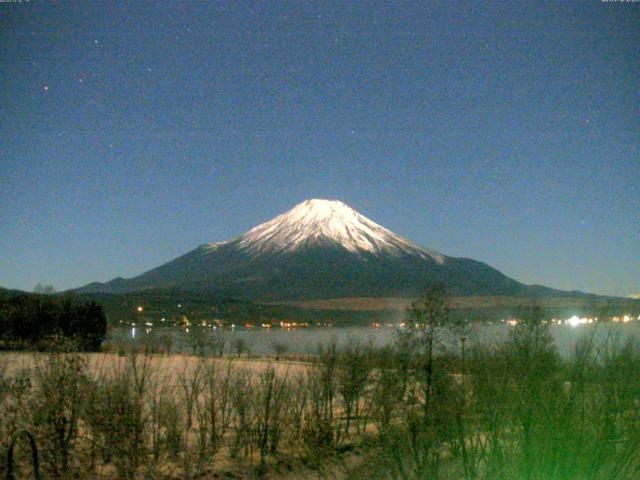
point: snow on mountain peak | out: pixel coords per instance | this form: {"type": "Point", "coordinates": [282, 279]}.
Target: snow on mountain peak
{"type": "Point", "coordinates": [322, 222]}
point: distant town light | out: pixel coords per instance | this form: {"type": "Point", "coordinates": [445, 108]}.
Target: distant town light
{"type": "Point", "coordinates": [574, 321]}
{"type": "Point", "coordinates": [140, 308]}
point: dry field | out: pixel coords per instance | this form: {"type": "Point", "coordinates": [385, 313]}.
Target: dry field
{"type": "Point", "coordinates": [168, 365]}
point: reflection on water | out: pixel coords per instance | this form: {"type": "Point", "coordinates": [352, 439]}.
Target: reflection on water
{"type": "Point", "coordinates": [307, 340]}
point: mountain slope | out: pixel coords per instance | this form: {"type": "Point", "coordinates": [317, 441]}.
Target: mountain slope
{"type": "Point", "coordinates": [320, 249]}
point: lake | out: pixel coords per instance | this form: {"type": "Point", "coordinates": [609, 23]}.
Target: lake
{"type": "Point", "coordinates": [261, 341]}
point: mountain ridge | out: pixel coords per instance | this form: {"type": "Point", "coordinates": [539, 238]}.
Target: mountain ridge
{"type": "Point", "coordinates": [320, 249]}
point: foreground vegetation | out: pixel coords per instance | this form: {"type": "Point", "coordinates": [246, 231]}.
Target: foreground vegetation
{"type": "Point", "coordinates": [418, 409]}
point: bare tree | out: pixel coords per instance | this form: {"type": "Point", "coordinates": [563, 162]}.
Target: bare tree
{"type": "Point", "coordinates": [279, 349]}
{"type": "Point", "coordinates": [240, 346]}
{"type": "Point", "coordinates": [426, 316]}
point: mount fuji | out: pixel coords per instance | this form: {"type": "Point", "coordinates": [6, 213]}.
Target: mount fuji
{"type": "Point", "coordinates": [320, 249]}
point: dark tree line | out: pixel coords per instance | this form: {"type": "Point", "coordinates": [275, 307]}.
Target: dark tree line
{"type": "Point", "coordinates": [30, 321]}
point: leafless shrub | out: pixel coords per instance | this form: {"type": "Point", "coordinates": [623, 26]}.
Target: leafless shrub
{"type": "Point", "coordinates": [60, 387]}
{"type": "Point", "coordinates": [215, 402]}
{"type": "Point", "coordinates": [190, 381]}
{"type": "Point", "coordinates": [354, 368]}
{"type": "Point", "coordinates": [242, 393]}
{"type": "Point", "coordinates": [172, 422]}
{"type": "Point", "coordinates": [240, 346]}
{"type": "Point", "coordinates": [116, 414]}
{"type": "Point", "coordinates": [15, 394]}
{"type": "Point", "coordinates": [279, 349]}
{"type": "Point", "coordinates": [271, 408]}
{"type": "Point", "coordinates": [388, 388]}
{"type": "Point", "coordinates": [297, 405]}
{"type": "Point", "coordinates": [319, 432]}
{"type": "Point", "coordinates": [218, 342]}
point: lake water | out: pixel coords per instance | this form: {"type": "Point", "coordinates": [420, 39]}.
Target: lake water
{"type": "Point", "coordinates": [261, 341]}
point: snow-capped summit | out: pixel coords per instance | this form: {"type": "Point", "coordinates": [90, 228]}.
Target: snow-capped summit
{"type": "Point", "coordinates": [328, 222]}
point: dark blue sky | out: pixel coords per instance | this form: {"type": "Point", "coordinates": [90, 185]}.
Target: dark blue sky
{"type": "Point", "coordinates": [132, 132]}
